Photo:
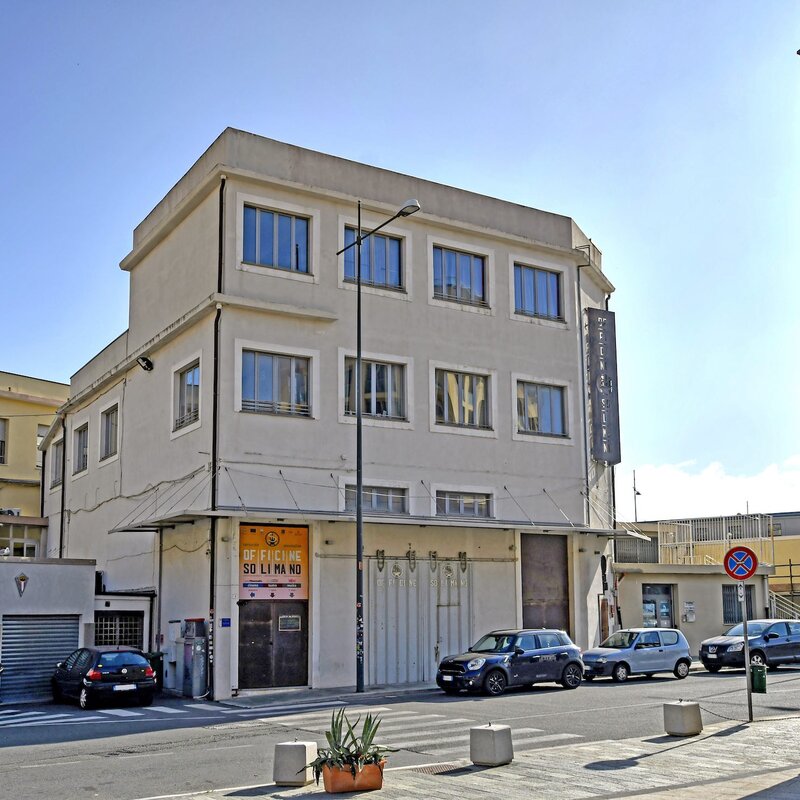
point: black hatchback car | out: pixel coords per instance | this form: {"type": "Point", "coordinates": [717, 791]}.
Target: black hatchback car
{"type": "Point", "coordinates": [513, 658]}
{"type": "Point", "coordinates": [92, 674]}
{"type": "Point", "coordinates": [772, 642]}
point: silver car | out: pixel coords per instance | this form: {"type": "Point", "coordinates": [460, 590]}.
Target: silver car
{"type": "Point", "coordinates": [643, 651]}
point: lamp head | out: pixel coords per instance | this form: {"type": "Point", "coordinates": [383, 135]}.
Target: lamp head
{"type": "Point", "coordinates": [409, 207]}
{"type": "Point", "coordinates": [145, 363]}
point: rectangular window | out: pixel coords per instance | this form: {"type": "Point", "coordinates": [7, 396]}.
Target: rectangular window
{"type": "Point", "coordinates": [80, 449]}
{"type": "Point", "coordinates": [3, 441]}
{"type": "Point", "coordinates": [108, 432]}
{"type": "Point", "coordinates": [537, 292]}
{"type": "Point", "coordinates": [273, 384]}
{"type": "Point", "coordinates": [463, 504]}
{"type": "Point", "coordinates": [540, 409]}
{"type": "Point", "coordinates": [462, 398]}
{"type": "Point", "coordinates": [119, 628]}
{"type": "Point", "coordinates": [459, 276]}
{"type": "Point", "coordinates": [381, 259]}
{"type": "Point", "coordinates": [41, 432]}
{"type": "Point", "coordinates": [275, 239]}
{"type": "Point", "coordinates": [378, 499]}
{"type": "Point", "coordinates": [187, 408]}
{"type": "Point", "coordinates": [732, 608]}
{"type": "Point", "coordinates": [21, 540]}
{"type": "Point", "coordinates": [58, 463]}
{"type": "Point", "coordinates": [382, 389]}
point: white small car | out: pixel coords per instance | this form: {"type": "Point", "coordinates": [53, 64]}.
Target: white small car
{"type": "Point", "coordinates": [639, 651]}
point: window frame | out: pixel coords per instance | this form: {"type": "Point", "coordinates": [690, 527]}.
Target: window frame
{"type": "Point", "coordinates": [547, 386]}
{"type": "Point", "coordinates": [732, 606]}
{"type": "Point", "coordinates": [178, 368]}
{"type": "Point", "coordinates": [4, 441]}
{"type": "Point", "coordinates": [274, 204]}
{"type": "Point", "coordinates": [28, 537]}
{"type": "Point", "coordinates": [268, 348]}
{"type": "Point", "coordinates": [374, 488]}
{"type": "Point", "coordinates": [346, 482]}
{"type": "Point", "coordinates": [80, 461]}
{"type": "Point", "coordinates": [559, 276]}
{"type": "Point", "coordinates": [273, 406]}
{"type": "Point", "coordinates": [557, 440]}
{"type": "Point", "coordinates": [40, 437]}
{"type": "Point", "coordinates": [458, 429]}
{"type": "Point", "coordinates": [57, 464]}
{"type": "Point", "coordinates": [371, 242]}
{"type": "Point", "coordinates": [488, 255]}
{"type": "Point", "coordinates": [406, 250]}
{"type": "Point", "coordinates": [475, 491]}
{"type": "Point", "coordinates": [566, 280]}
{"type": "Point", "coordinates": [108, 457]}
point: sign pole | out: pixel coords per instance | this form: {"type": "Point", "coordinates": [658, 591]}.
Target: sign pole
{"type": "Point", "coordinates": [748, 673]}
{"type": "Point", "coordinates": [741, 563]}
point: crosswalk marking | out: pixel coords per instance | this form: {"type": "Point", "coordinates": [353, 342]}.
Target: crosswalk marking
{"type": "Point", "coordinates": [119, 712]}
{"type": "Point", "coordinates": [30, 719]}
{"type": "Point", "coordinates": [167, 710]}
{"type": "Point", "coordinates": [445, 735]}
{"type": "Point", "coordinates": [203, 706]}
{"type": "Point", "coordinates": [325, 716]}
{"type": "Point", "coordinates": [456, 737]}
{"type": "Point", "coordinates": [552, 737]}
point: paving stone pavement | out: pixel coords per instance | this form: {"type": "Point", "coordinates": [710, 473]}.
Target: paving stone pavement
{"type": "Point", "coordinates": [728, 761]}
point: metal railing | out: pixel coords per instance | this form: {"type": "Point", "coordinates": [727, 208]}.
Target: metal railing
{"type": "Point", "coordinates": [782, 607]}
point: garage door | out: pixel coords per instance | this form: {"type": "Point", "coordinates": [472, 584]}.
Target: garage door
{"type": "Point", "coordinates": [545, 581]}
{"type": "Point", "coordinates": [30, 646]}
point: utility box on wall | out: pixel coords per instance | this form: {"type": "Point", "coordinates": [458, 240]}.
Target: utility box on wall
{"type": "Point", "coordinates": [195, 658]}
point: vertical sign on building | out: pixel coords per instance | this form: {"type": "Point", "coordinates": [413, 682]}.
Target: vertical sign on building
{"type": "Point", "coordinates": [273, 562]}
{"type": "Point", "coordinates": [602, 369]}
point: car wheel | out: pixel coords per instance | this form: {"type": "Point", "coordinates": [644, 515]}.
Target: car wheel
{"type": "Point", "coordinates": [85, 699]}
{"type": "Point", "coordinates": [712, 667]}
{"type": "Point", "coordinates": [620, 673]}
{"type": "Point", "coordinates": [495, 683]}
{"type": "Point", "coordinates": [758, 659]}
{"type": "Point", "coordinates": [588, 677]}
{"type": "Point", "coordinates": [681, 669]}
{"type": "Point", "coordinates": [572, 676]}
{"type": "Point", "coordinates": [57, 695]}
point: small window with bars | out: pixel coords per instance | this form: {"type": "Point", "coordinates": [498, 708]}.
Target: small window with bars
{"type": "Point", "coordinates": [732, 607]}
{"type": "Point", "coordinates": [125, 629]}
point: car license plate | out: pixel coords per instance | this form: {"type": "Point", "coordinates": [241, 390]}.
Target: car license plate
{"type": "Point", "coordinates": [711, 655]}
{"type": "Point", "coordinates": [124, 687]}
{"type": "Point", "coordinates": [447, 677]}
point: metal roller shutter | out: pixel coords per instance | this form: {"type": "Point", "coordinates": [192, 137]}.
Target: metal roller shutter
{"type": "Point", "coordinates": [30, 646]}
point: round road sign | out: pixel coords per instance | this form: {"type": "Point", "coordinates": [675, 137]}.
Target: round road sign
{"type": "Point", "coordinates": [740, 563]}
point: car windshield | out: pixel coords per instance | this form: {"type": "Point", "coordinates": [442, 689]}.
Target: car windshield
{"type": "Point", "coordinates": [620, 639]}
{"type": "Point", "coordinates": [753, 629]}
{"type": "Point", "coordinates": [493, 643]}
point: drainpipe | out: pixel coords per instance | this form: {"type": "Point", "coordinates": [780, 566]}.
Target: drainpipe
{"type": "Point", "coordinates": [215, 439]}
{"type": "Point", "coordinates": [42, 479]}
{"type": "Point", "coordinates": [63, 486]}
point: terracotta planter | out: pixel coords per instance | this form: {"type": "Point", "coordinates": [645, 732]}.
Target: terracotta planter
{"type": "Point", "coordinates": [369, 777]}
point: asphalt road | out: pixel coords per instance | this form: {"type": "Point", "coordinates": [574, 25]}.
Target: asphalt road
{"type": "Point", "coordinates": [182, 746]}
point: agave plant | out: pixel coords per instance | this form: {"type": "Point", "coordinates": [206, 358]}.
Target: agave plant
{"type": "Point", "coordinates": [346, 749]}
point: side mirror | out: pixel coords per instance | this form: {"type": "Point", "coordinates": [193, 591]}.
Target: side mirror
{"type": "Point", "coordinates": [518, 651]}
{"type": "Point", "coordinates": [640, 647]}
{"type": "Point", "coordinates": [771, 635]}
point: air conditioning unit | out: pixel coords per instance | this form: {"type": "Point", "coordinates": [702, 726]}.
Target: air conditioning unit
{"type": "Point", "coordinates": [11, 512]}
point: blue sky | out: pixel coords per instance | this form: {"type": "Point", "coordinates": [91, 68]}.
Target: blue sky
{"type": "Point", "coordinates": [669, 131]}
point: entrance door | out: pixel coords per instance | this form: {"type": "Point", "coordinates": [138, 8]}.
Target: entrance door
{"type": "Point", "coordinates": [273, 643]}
{"type": "Point", "coordinates": [545, 581]}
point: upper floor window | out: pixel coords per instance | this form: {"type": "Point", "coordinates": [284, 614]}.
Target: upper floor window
{"type": "Point", "coordinates": [80, 449]}
{"type": "Point", "coordinates": [382, 389]}
{"type": "Point", "coordinates": [540, 409]}
{"type": "Point", "coordinates": [275, 384]}
{"type": "Point", "coordinates": [381, 260]}
{"type": "Point", "coordinates": [187, 406]}
{"type": "Point", "coordinates": [275, 239]}
{"type": "Point", "coordinates": [463, 504]}
{"type": "Point", "coordinates": [57, 466]}
{"type": "Point", "coordinates": [459, 276]}
{"type": "Point", "coordinates": [462, 398]}
{"type": "Point", "coordinates": [537, 292]}
{"type": "Point", "coordinates": [3, 440]}
{"type": "Point", "coordinates": [41, 432]}
{"type": "Point", "coordinates": [21, 540]}
{"type": "Point", "coordinates": [378, 499]}
{"type": "Point", "coordinates": [108, 432]}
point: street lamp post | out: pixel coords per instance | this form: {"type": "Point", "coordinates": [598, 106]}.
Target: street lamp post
{"type": "Point", "coordinates": [409, 207]}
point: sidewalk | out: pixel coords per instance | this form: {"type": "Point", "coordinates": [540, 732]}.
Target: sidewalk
{"type": "Point", "coordinates": [728, 761]}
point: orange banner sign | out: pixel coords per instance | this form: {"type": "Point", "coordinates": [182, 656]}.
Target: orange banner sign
{"type": "Point", "coordinates": [273, 562]}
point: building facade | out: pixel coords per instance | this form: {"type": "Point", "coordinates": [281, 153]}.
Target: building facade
{"type": "Point", "coordinates": [209, 451]}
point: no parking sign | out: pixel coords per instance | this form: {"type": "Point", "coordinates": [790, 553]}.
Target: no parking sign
{"type": "Point", "coordinates": [740, 563]}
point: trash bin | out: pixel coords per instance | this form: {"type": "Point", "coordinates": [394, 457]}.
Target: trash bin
{"type": "Point", "coordinates": [156, 660]}
{"type": "Point", "coordinates": [758, 677]}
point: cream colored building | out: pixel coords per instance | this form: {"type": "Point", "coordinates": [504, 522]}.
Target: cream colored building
{"type": "Point", "coordinates": [209, 450]}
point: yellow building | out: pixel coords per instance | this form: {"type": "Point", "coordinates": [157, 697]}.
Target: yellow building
{"type": "Point", "coordinates": [27, 407]}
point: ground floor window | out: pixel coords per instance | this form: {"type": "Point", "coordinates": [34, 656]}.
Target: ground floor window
{"type": "Point", "coordinates": [732, 608]}
{"type": "Point", "coordinates": [124, 628]}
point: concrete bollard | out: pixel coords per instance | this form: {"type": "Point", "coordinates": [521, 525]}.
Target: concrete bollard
{"type": "Point", "coordinates": [490, 745]}
{"type": "Point", "coordinates": [682, 718]}
{"type": "Point", "coordinates": [289, 767]}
